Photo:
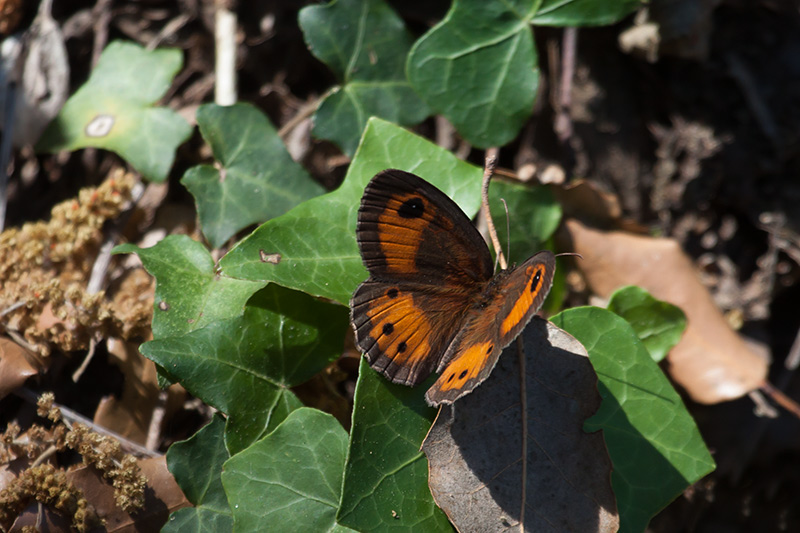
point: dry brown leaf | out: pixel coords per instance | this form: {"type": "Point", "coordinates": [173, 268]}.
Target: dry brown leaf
{"type": "Point", "coordinates": [474, 448]}
{"type": "Point", "coordinates": [42, 518]}
{"type": "Point", "coordinates": [711, 361]}
{"type": "Point", "coordinates": [16, 365]}
{"type": "Point", "coordinates": [130, 414]}
{"type": "Point", "coordinates": [163, 496]}
{"type": "Point", "coordinates": [584, 197]}
{"type": "Point", "coordinates": [590, 202]}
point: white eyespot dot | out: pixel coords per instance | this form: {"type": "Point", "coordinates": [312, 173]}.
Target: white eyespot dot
{"type": "Point", "coordinates": [100, 126]}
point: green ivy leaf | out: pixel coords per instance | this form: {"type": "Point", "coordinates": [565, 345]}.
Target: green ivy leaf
{"type": "Point", "coordinates": [654, 444]}
{"type": "Point", "coordinates": [315, 243]}
{"type": "Point", "coordinates": [386, 475]}
{"type": "Point", "coordinates": [196, 464]}
{"type": "Point", "coordinates": [479, 68]}
{"type": "Point", "coordinates": [291, 480]}
{"type": "Point", "coordinates": [256, 180]}
{"type": "Point", "coordinates": [113, 110]}
{"type": "Point", "coordinates": [583, 12]}
{"type": "Point", "coordinates": [365, 44]}
{"type": "Point", "coordinates": [533, 216]}
{"type": "Point", "coordinates": [658, 324]}
{"type": "Point", "coordinates": [245, 365]}
{"type": "Point", "coordinates": [189, 294]}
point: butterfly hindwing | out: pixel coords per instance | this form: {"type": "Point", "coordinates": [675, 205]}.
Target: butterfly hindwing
{"type": "Point", "coordinates": [402, 330]}
{"type": "Point", "coordinates": [523, 292]}
{"type": "Point", "coordinates": [512, 299]}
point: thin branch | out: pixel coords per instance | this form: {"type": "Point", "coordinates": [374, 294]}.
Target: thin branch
{"type": "Point", "coordinates": [781, 399]}
{"type": "Point", "coordinates": [157, 418]}
{"type": "Point", "coordinates": [101, 12]}
{"type": "Point", "coordinates": [306, 111]}
{"type": "Point", "coordinates": [12, 307]}
{"type": "Point", "coordinates": [563, 121]}
{"type": "Point", "coordinates": [19, 339]}
{"type": "Point", "coordinates": [793, 359]}
{"type": "Point", "coordinates": [763, 408]}
{"type": "Point", "coordinates": [76, 376]}
{"type": "Point", "coordinates": [488, 170]}
{"type": "Point", "coordinates": [103, 259]}
{"type": "Point", "coordinates": [755, 102]}
{"type": "Point", "coordinates": [225, 45]}
{"type": "Point", "coordinates": [170, 28]}
{"type": "Point", "coordinates": [69, 416]}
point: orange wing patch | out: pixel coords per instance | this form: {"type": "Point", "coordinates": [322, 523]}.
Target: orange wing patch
{"type": "Point", "coordinates": [399, 329]}
{"type": "Point", "coordinates": [465, 367]}
{"type": "Point", "coordinates": [400, 228]}
{"type": "Point", "coordinates": [394, 333]}
{"type": "Point", "coordinates": [535, 274]}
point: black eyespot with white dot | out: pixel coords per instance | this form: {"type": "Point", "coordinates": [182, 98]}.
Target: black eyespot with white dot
{"type": "Point", "coordinates": [412, 208]}
{"type": "Point", "coordinates": [537, 279]}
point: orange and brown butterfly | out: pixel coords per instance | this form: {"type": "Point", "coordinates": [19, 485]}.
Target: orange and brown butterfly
{"type": "Point", "coordinates": [432, 301]}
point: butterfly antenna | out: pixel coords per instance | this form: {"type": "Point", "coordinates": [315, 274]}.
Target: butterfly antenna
{"type": "Point", "coordinates": [576, 254]}
{"type": "Point", "coordinates": [508, 228]}
{"type": "Point", "coordinates": [488, 169]}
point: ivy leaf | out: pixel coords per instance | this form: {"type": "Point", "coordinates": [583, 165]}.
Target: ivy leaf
{"type": "Point", "coordinates": [533, 216]}
{"type": "Point", "coordinates": [658, 324]}
{"type": "Point", "coordinates": [189, 294]}
{"type": "Point", "coordinates": [386, 475]}
{"type": "Point", "coordinates": [244, 366]}
{"type": "Point", "coordinates": [479, 67]}
{"type": "Point", "coordinates": [365, 44]}
{"type": "Point", "coordinates": [313, 247]}
{"type": "Point", "coordinates": [114, 110]}
{"type": "Point", "coordinates": [196, 464]}
{"type": "Point", "coordinates": [256, 180]}
{"type": "Point", "coordinates": [291, 480]}
{"type": "Point", "coordinates": [653, 442]}
{"type": "Point", "coordinates": [582, 12]}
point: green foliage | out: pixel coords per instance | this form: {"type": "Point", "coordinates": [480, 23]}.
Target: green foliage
{"type": "Point", "coordinates": [292, 479]}
{"type": "Point", "coordinates": [272, 312]}
{"type": "Point", "coordinates": [243, 366]}
{"type": "Point", "coordinates": [479, 67]}
{"type": "Point", "coordinates": [189, 294]}
{"type": "Point", "coordinates": [114, 110]}
{"type": "Point", "coordinates": [536, 215]}
{"type": "Point", "coordinates": [386, 475]}
{"type": "Point", "coordinates": [316, 240]}
{"type": "Point", "coordinates": [656, 448]}
{"type": "Point", "coordinates": [365, 44]}
{"type": "Point", "coordinates": [659, 325]}
{"type": "Point", "coordinates": [196, 464]}
{"type": "Point", "coordinates": [256, 178]}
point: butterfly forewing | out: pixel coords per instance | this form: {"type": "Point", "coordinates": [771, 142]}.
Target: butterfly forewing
{"type": "Point", "coordinates": [426, 262]}
{"type": "Point", "coordinates": [409, 230]}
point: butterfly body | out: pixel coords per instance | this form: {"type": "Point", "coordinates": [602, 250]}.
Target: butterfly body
{"type": "Point", "coordinates": [432, 301]}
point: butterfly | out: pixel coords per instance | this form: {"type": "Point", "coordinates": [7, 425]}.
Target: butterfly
{"type": "Point", "coordinates": [432, 301]}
